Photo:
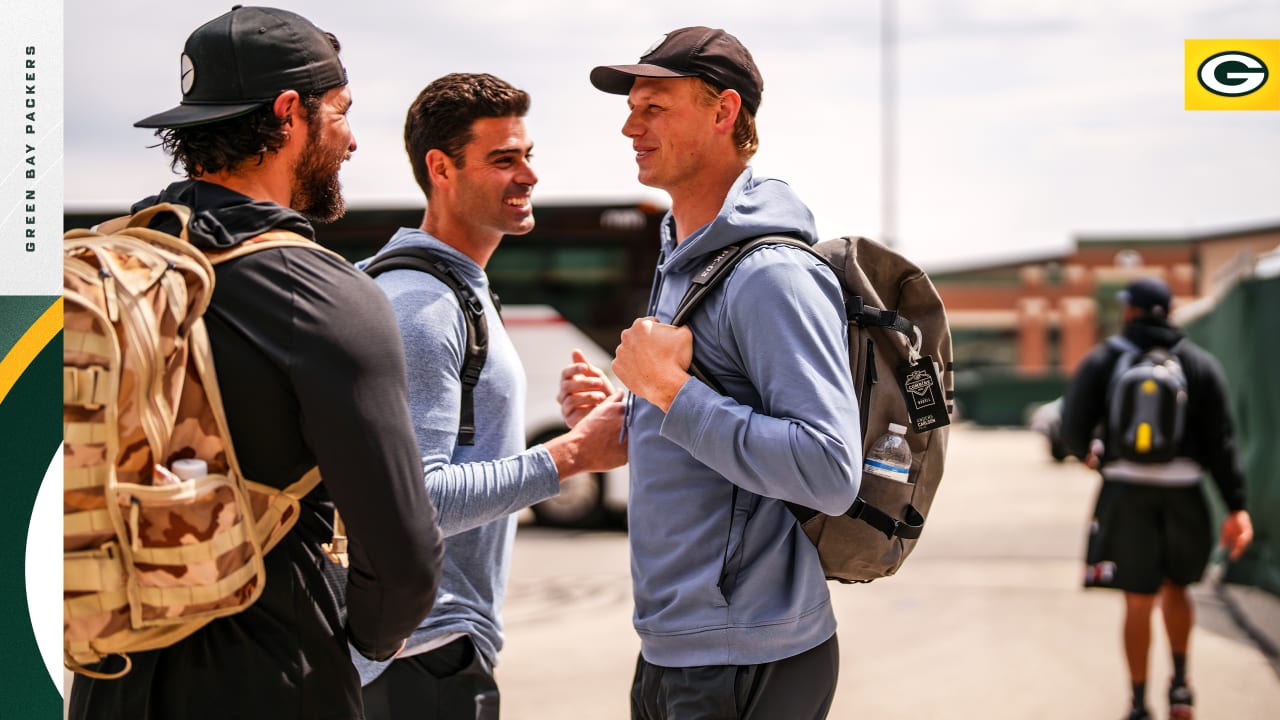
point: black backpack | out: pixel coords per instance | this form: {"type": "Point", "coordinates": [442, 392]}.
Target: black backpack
{"type": "Point", "coordinates": [1146, 403]}
{"type": "Point", "coordinates": [900, 358]}
{"type": "Point", "coordinates": [436, 265]}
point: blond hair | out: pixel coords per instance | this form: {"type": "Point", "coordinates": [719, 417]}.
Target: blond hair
{"type": "Point", "coordinates": [744, 128]}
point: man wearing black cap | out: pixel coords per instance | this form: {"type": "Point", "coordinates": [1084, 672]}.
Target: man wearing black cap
{"type": "Point", "coordinates": [731, 604]}
{"type": "Point", "coordinates": [1150, 536]}
{"type": "Point", "coordinates": [312, 373]}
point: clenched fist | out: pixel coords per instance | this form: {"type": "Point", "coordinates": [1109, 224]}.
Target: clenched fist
{"type": "Point", "coordinates": [653, 360]}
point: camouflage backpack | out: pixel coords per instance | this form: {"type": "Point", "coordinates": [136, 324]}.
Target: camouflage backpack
{"type": "Point", "coordinates": [149, 555]}
{"type": "Point", "coordinates": [900, 359]}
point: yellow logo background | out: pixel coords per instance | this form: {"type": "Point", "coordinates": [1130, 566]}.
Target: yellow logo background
{"type": "Point", "coordinates": [1266, 97]}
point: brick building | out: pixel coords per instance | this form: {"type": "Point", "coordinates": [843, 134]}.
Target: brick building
{"type": "Point", "coordinates": [1040, 316]}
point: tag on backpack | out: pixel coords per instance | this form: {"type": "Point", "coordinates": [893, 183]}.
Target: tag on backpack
{"type": "Point", "coordinates": [923, 392]}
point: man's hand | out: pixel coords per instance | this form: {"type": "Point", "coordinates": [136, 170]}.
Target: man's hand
{"type": "Point", "coordinates": [653, 360]}
{"type": "Point", "coordinates": [1237, 533]}
{"type": "Point", "coordinates": [582, 387]}
{"type": "Point", "coordinates": [594, 443]}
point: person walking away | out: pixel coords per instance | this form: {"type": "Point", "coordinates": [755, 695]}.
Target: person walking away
{"type": "Point", "coordinates": [1150, 537]}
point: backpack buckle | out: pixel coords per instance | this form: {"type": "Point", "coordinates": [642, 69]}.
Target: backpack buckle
{"type": "Point", "coordinates": [875, 517]}
{"type": "Point", "coordinates": [471, 374]}
{"type": "Point", "coordinates": [894, 524]}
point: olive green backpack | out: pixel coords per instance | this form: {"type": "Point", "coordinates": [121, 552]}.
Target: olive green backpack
{"type": "Point", "coordinates": [900, 358]}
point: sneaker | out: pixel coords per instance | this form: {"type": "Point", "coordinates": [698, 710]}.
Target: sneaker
{"type": "Point", "coordinates": [1181, 703]}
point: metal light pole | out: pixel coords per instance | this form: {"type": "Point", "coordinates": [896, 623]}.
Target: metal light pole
{"type": "Point", "coordinates": [888, 123]}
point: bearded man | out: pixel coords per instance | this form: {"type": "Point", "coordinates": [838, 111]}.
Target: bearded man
{"type": "Point", "coordinates": [312, 373]}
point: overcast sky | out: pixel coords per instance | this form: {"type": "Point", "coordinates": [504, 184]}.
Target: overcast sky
{"type": "Point", "coordinates": [1020, 122]}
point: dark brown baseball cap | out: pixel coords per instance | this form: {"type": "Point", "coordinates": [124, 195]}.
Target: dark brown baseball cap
{"type": "Point", "coordinates": [243, 60]}
{"type": "Point", "coordinates": [708, 53]}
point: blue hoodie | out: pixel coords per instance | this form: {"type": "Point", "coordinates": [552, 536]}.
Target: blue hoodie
{"type": "Point", "coordinates": [723, 577]}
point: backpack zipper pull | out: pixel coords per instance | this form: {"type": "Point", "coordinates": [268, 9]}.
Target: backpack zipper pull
{"type": "Point", "coordinates": [109, 290]}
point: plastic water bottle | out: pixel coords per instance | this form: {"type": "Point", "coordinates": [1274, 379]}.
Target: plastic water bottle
{"type": "Point", "coordinates": [190, 468]}
{"type": "Point", "coordinates": [890, 456]}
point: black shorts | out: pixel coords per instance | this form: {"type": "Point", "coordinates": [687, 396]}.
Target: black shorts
{"type": "Point", "coordinates": [1144, 535]}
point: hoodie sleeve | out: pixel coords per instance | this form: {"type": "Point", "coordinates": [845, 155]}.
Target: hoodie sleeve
{"type": "Point", "coordinates": [783, 324]}
{"type": "Point", "coordinates": [1211, 430]}
{"type": "Point", "coordinates": [468, 494]}
{"type": "Point", "coordinates": [1084, 402]}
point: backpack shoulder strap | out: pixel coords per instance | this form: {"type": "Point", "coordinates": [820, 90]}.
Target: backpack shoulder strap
{"type": "Point", "coordinates": [709, 278]}
{"type": "Point", "coordinates": [477, 350]}
{"type": "Point", "coordinates": [720, 266]}
{"type": "Point", "coordinates": [1126, 352]}
{"type": "Point", "coordinates": [143, 219]}
{"type": "Point", "coordinates": [267, 241]}
{"type": "Point", "coordinates": [1122, 344]}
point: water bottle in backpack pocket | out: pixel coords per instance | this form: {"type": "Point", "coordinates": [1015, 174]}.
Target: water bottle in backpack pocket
{"type": "Point", "coordinates": [890, 456]}
{"type": "Point", "coordinates": [1146, 403]}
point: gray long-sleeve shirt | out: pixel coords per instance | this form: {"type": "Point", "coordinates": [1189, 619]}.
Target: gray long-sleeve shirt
{"type": "Point", "coordinates": [476, 488]}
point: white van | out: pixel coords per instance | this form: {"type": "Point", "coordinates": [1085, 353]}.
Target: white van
{"type": "Point", "coordinates": [544, 339]}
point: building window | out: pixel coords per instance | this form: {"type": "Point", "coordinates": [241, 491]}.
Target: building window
{"type": "Point", "coordinates": [1128, 259]}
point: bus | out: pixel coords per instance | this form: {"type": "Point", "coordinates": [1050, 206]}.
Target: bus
{"type": "Point", "coordinates": [576, 281]}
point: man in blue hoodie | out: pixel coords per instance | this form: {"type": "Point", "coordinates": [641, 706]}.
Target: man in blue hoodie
{"type": "Point", "coordinates": [731, 604]}
{"type": "Point", "coordinates": [470, 154]}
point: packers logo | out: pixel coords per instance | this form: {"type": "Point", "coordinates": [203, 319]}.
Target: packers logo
{"type": "Point", "coordinates": [1232, 74]}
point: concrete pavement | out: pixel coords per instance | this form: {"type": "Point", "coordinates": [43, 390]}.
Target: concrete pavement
{"type": "Point", "coordinates": [987, 619]}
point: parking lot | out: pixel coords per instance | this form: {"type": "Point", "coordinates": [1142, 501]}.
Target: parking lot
{"type": "Point", "coordinates": [987, 618]}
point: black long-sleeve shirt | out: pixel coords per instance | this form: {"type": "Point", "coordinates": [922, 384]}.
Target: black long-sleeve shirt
{"type": "Point", "coordinates": [311, 369]}
{"type": "Point", "coordinates": [1208, 438]}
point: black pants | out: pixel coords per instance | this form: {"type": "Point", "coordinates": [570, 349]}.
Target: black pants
{"type": "Point", "coordinates": [796, 688]}
{"type": "Point", "coordinates": [452, 682]}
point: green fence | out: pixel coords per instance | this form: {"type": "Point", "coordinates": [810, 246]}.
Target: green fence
{"type": "Point", "coordinates": [1243, 332]}
{"type": "Point", "coordinates": [1001, 396]}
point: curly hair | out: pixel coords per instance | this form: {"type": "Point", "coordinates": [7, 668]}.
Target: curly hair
{"type": "Point", "coordinates": [229, 144]}
{"type": "Point", "coordinates": [441, 117]}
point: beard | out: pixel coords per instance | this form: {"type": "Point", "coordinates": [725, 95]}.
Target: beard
{"type": "Point", "coordinates": [317, 193]}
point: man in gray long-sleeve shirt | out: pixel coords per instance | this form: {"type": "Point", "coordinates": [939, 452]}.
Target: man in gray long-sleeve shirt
{"type": "Point", "coordinates": [471, 156]}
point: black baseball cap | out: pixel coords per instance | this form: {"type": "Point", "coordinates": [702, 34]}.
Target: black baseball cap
{"type": "Point", "coordinates": [708, 53]}
{"type": "Point", "coordinates": [243, 60]}
{"type": "Point", "coordinates": [1150, 295]}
